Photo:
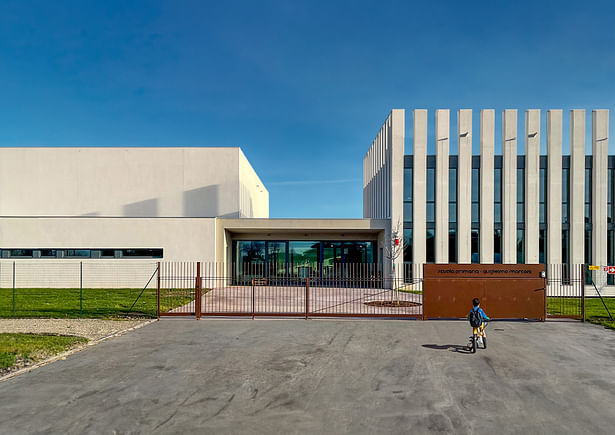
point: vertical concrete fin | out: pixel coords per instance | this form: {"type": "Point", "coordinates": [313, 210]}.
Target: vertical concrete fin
{"type": "Point", "coordinates": [442, 175]}
{"type": "Point", "coordinates": [509, 186]}
{"type": "Point", "coordinates": [577, 186]}
{"type": "Point", "coordinates": [396, 175]}
{"type": "Point", "coordinates": [419, 194]}
{"type": "Point", "coordinates": [554, 186]}
{"type": "Point", "coordinates": [600, 146]}
{"type": "Point", "coordinates": [487, 146]}
{"type": "Point", "coordinates": [532, 185]}
{"type": "Point", "coordinates": [464, 186]}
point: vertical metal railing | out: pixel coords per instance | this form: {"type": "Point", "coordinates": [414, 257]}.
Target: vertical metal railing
{"type": "Point", "coordinates": [565, 291]}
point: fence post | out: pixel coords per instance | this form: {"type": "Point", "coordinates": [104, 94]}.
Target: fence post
{"type": "Point", "coordinates": [13, 288]}
{"type": "Point", "coordinates": [81, 289]}
{"type": "Point", "coordinates": [307, 297]}
{"type": "Point", "coordinates": [422, 284]}
{"type": "Point", "coordinates": [158, 291]}
{"type": "Point", "coordinates": [583, 294]}
{"type": "Point", "coordinates": [544, 302]}
{"type": "Point", "coordinates": [252, 298]}
{"type": "Point", "coordinates": [197, 298]}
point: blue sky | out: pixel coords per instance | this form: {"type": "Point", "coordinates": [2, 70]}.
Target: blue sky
{"type": "Point", "coordinates": [301, 86]}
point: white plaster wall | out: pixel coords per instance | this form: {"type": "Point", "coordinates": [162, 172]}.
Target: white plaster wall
{"type": "Point", "coordinates": [128, 182]}
{"type": "Point", "coordinates": [253, 196]}
{"type": "Point", "coordinates": [182, 239]}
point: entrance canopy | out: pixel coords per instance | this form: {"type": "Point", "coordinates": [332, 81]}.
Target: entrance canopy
{"type": "Point", "coordinates": [292, 249]}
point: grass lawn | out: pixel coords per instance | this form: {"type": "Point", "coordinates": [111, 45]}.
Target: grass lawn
{"type": "Point", "coordinates": [414, 292]}
{"type": "Point", "coordinates": [96, 303]}
{"type": "Point", "coordinates": [26, 349]}
{"type": "Point", "coordinates": [594, 309]}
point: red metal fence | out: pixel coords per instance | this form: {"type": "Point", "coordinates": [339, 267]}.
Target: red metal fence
{"type": "Point", "coordinates": [203, 289]}
{"type": "Point", "coordinates": [211, 289]}
{"type": "Point", "coordinates": [566, 291]}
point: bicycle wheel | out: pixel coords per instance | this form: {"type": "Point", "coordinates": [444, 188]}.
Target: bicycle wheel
{"type": "Point", "coordinates": [474, 343]}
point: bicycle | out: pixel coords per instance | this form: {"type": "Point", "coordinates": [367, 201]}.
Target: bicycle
{"type": "Point", "coordinates": [473, 343]}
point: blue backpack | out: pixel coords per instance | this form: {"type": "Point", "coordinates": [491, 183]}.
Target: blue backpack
{"type": "Point", "coordinates": [475, 318]}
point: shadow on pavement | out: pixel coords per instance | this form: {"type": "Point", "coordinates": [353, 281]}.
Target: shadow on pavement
{"type": "Point", "coordinates": [450, 347]}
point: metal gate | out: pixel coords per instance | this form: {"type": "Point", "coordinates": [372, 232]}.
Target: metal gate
{"type": "Point", "coordinates": [207, 289]}
{"type": "Point", "coordinates": [566, 291]}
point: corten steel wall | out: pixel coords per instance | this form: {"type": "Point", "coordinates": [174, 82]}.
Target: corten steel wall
{"type": "Point", "coordinates": [506, 291]}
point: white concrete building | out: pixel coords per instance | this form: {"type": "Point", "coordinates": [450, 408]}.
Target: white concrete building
{"type": "Point", "coordinates": [208, 204]}
{"type": "Point", "coordinates": [516, 207]}
{"type": "Point", "coordinates": [142, 205]}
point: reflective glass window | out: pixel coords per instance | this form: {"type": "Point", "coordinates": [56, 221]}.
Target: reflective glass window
{"type": "Point", "coordinates": [475, 213]}
{"type": "Point", "coordinates": [520, 247]}
{"type": "Point", "coordinates": [431, 214]}
{"type": "Point", "coordinates": [430, 245]}
{"type": "Point", "coordinates": [431, 186]}
{"type": "Point", "coordinates": [452, 212]}
{"type": "Point", "coordinates": [475, 184]}
{"type": "Point", "coordinates": [475, 246]}
{"type": "Point", "coordinates": [497, 212]}
{"type": "Point", "coordinates": [542, 212]}
{"type": "Point", "coordinates": [408, 245]}
{"type": "Point", "coordinates": [520, 212]}
{"type": "Point", "coordinates": [541, 247]}
{"type": "Point", "coordinates": [16, 253]}
{"type": "Point", "coordinates": [452, 246]}
{"type": "Point", "coordinates": [331, 255]}
{"type": "Point", "coordinates": [358, 252]}
{"type": "Point", "coordinates": [407, 212]}
{"type": "Point", "coordinates": [588, 246]}
{"type": "Point", "coordinates": [452, 184]}
{"type": "Point", "coordinates": [250, 252]}
{"type": "Point", "coordinates": [86, 252]}
{"type": "Point", "coordinates": [520, 185]}
{"type": "Point", "coordinates": [497, 246]}
{"type": "Point", "coordinates": [588, 196]}
{"type": "Point", "coordinates": [497, 185]}
{"type": "Point", "coordinates": [408, 184]}
{"type": "Point", "coordinates": [49, 253]}
{"type": "Point", "coordinates": [276, 259]}
{"type": "Point", "coordinates": [565, 245]}
{"type": "Point", "coordinates": [565, 185]}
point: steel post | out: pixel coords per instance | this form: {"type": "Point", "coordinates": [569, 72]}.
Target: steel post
{"type": "Point", "coordinates": [307, 297]}
{"type": "Point", "coordinates": [197, 296]}
{"type": "Point", "coordinates": [252, 298]}
{"type": "Point", "coordinates": [583, 294]}
{"type": "Point", "coordinates": [81, 289]}
{"type": "Point", "coordinates": [158, 291]}
{"type": "Point", "coordinates": [13, 289]}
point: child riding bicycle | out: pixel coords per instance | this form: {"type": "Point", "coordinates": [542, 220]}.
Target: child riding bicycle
{"type": "Point", "coordinates": [477, 318]}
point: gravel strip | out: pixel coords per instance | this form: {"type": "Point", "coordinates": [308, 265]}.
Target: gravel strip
{"type": "Point", "coordinates": [92, 329]}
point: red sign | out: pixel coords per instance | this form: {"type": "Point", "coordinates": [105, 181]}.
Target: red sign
{"type": "Point", "coordinates": [611, 269]}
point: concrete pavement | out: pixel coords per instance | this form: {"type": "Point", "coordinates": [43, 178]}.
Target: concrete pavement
{"type": "Point", "coordinates": [324, 376]}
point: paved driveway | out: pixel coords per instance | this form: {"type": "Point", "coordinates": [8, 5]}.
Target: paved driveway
{"type": "Point", "coordinates": [322, 376]}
